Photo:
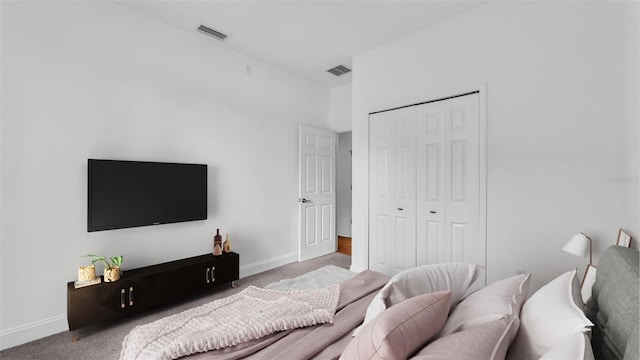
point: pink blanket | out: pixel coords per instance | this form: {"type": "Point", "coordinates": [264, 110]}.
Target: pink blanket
{"type": "Point", "coordinates": [249, 315]}
{"type": "Point", "coordinates": [324, 341]}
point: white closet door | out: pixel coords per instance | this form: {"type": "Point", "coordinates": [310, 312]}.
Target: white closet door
{"type": "Point", "coordinates": [431, 245]}
{"type": "Point", "coordinates": [448, 183]}
{"type": "Point", "coordinates": [463, 180]}
{"type": "Point", "coordinates": [392, 211]}
{"type": "Point", "coordinates": [425, 195]}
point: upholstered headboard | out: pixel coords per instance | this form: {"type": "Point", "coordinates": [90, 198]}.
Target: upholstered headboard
{"type": "Point", "coordinates": [614, 306]}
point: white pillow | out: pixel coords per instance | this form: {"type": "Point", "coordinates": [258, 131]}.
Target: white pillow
{"type": "Point", "coordinates": [425, 279]}
{"type": "Point", "coordinates": [499, 300]}
{"type": "Point", "coordinates": [575, 347]}
{"type": "Point", "coordinates": [549, 316]}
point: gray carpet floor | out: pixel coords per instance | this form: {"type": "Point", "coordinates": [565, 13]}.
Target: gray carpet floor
{"type": "Point", "coordinates": [105, 341]}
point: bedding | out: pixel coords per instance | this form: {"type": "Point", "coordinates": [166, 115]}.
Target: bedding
{"type": "Point", "coordinates": [251, 314]}
{"type": "Point", "coordinates": [499, 300]}
{"type": "Point", "coordinates": [494, 322]}
{"type": "Point", "coordinates": [575, 347]}
{"type": "Point", "coordinates": [550, 315]}
{"type": "Point", "coordinates": [325, 341]}
{"type": "Point", "coordinates": [488, 341]}
{"type": "Point", "coordinates": [403, 329]}
{"type": "Point", "coordinates": [456, 277]}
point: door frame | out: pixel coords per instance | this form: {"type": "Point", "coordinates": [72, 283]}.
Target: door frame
{"type": "Point", "coordinates": [347, 215]}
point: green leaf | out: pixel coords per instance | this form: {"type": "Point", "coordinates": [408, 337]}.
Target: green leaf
{"type": "Point", "coordinates": [97, 258]}
{"type": "Point", "coordinates": [117, 260]}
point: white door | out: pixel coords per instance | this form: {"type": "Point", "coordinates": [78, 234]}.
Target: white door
{"type": "Point", "coordinates": [392, 212]}
{"type": "Point", "coordinates": [430, 131]}
{"type": "Point", "coordinates": [448, 193]}
{"type": "Point", "coordinates": [426, 204]}
{"type": "Point", "coordinates": [463, 176]}
{"type": "Point", "coordinates": [317, 201]}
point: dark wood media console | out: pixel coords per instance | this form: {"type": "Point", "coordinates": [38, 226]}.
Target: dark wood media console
{"type": "Point", "coordinates": [143, 288]}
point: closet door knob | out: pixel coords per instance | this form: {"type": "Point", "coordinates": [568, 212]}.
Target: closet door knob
{"type": "Point", "coordinates": [400, 209]}
{"type": "Point", "coordinates": [432, 212]}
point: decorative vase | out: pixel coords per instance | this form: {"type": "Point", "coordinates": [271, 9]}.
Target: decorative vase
{"type": "Point", "coordinates": [86, 273]}
{"type": "Point", "coordinates": [112, 274]}
{"type": "Point", "coordinates": [217, 244]}
{"type": "Point", "coordinates": [226, 246]}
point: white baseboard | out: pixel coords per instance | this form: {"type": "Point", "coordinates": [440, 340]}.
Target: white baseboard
{"type": "Point", "coordinates": [32, 331]}
{"type": "Point", "coordinates": [39, 329]}
{"type": "Point", "coordinates": [258, 267]}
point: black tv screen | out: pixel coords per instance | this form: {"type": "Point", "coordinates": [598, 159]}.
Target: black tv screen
{"type": "Point", "coordinates": [125, 194]}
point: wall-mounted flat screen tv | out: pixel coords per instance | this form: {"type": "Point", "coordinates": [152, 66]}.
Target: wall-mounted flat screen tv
{"type": "Point", "coordinates": [124, 194]}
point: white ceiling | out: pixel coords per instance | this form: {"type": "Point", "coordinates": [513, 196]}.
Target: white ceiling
{"type": "Point", "coordinates": [304, 37]}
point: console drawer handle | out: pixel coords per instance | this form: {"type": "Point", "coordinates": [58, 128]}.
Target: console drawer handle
{"type": "Point", "coordinates": [207, 276]}
{"type": "Point", "coordinates": [123, 300]}
{"type": "Point", "coordinates": [131, 296]}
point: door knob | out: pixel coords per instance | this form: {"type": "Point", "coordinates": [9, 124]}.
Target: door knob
{"type": "Point", "coordinates": [432, 212]}
{"type": "Point", "coordinates": [304, 201]}
{"type": "Point", "coordinates": [401, 209]}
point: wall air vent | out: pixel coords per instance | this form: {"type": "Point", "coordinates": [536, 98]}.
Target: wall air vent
{"type": "Point", "coordinates": [213, 33]}
{"type": "Point", "coordinates": [339, 70]}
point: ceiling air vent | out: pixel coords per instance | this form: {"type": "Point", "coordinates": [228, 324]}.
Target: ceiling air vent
{"type": "Point", "coordinates": [213, 33]}
{"type": "Point", "coordinates": [339, 70]}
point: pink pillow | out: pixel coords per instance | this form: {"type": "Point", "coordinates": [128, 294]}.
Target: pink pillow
{"type": "Point", "coordinates": [401, 329]}
{"type": "Point", "coordinates": [501, 299]}
{"type": "Point", "coordinates": [487, 341]}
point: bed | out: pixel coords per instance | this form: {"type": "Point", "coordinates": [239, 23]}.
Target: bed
{"type": "Point", "coordinates": [430, 313]}
{"type": "Point", "coordinates": [613, 306]}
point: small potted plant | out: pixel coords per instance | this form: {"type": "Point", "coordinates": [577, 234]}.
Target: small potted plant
{"type": "Point", "coordinates": [111, 270]}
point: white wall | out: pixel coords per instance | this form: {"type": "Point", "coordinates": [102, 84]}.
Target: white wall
{"type": "Point", "coordinates": [340, 109]}
{"type": "Point", "coordinates": [562, 99]}
{"type": "Point", "coordinates": [95, 80]}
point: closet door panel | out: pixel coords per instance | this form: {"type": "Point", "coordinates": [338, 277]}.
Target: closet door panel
{"type": "Point", "coordinates": [458, 251]}
{"type": "Point", "coordinates": [430, 192]}
{"type": "Point", "coordinates": [378, 260]}
{"type": "Point", "coordinates": [392, 219]}
{"type": "Point", "coordinates": [430, 242]}
{"type": "Point", "coordinates": [403, 209]}
{"type": "Point", "coordinates": [404, 244]}
{"type": "Point", "coordinates": [463, 174]}
{"type": "Point", "coordinates": [380, 212]}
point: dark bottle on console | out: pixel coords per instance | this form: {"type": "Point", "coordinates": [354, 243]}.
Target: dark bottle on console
{"type": "Point", "coordinates": [217, 244]}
